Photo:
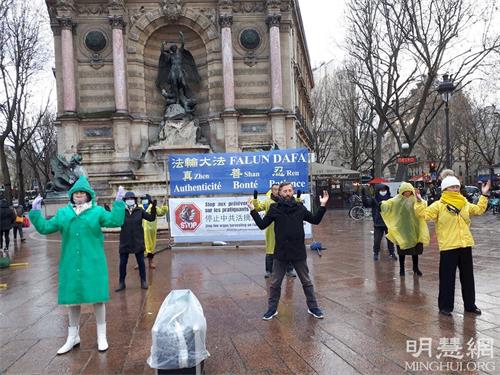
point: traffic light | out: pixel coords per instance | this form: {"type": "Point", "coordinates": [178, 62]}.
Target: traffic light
{"type": "Point", "coordinates": [432, 167]}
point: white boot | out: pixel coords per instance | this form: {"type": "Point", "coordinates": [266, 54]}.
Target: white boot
{"type": "Point", "coordinates": [102, 342]}
{"type": "Point", "coordinates": [72, 340]}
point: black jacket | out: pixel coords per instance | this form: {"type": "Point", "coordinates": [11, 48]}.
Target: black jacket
{"type": "Point", "coordinates": [288, 218]}
{"type": "Point", "coordinates": [7, 216]}
{"type": "Point", "coordinates": [375, 202]}
{"type": "Point", "coordinates": [132, 233]}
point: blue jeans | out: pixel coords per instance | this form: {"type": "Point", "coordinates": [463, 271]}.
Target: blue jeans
{"type": "Point", "coordinates": [140, 262]}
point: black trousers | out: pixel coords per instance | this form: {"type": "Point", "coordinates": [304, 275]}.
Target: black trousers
{"type": "Point", "coordinates": [279, 270]}
{"type": "Point", "coordinates": [402, 262]}
{"type": "Point", "coordinates": [448, 263]}
{"type": "Point", "coordinates": [140, 262]}
{"type": "Point", "coordinates": [378, 234]}
{"type": "Point", "coordinates": [6, 234]}
{"type": "Point", "coordinates": [18, 227]}
{"type": "Point", "coordinates": [269, 264]}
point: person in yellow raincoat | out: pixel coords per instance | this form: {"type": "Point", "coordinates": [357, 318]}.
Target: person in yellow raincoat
{"type": "Point", "coordinates": [405, 228]}
{"type": "Point", "coordinates": [273, 197]}
{"type": "Point", "coordinates": [151, 228]}
{"type": "Point", "coordinates": [452, 215]}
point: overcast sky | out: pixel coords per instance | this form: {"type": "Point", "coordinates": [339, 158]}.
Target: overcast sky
{"type": "Point", "coordinates": [324, 26]}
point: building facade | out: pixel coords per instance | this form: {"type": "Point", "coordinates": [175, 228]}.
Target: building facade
{"type": "Point", "coordinates": [251, 56]}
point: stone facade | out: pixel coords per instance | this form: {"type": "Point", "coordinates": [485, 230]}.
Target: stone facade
{"type": "Point", "coordinates": [251, 55]}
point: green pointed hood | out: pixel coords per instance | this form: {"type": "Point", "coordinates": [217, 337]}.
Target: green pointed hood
{"type": "Point", "coordinates": [82, 184]}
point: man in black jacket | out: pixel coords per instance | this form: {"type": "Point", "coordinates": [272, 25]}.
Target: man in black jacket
{"type": "Point", "coordinates": [132, 238]}
{"type": "Point", "coordinates": [288, 216]}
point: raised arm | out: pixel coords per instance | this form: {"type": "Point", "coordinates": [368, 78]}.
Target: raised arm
{"type": "Point", "coordinates": [41, 224]}
{"type": "Point", "coordinates": [316, 218]}
{"type": "Point", "coordinates": [262, 223]}
{"type": "Point", "coordinates": [115, 217]}
{"type": "Point", "coordinates": [150, 216]}
{"type": "Point", "coordinates": [421, 209]}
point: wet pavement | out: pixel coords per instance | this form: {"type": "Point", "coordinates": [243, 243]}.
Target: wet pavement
{"type": "Point", "coordinates": [370, 311]}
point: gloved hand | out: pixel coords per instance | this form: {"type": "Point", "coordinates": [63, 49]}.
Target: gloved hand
{"type": "Point", "coordinates": [154, 203]}
{"type": "Point", "coordinates": [120, 194]}
{"type": "Point", "coordinates": [255, 194]}
{"type": "Point", "coordinates": [299, 193]}
{"type": "Point", "coordinates": [37, 203]}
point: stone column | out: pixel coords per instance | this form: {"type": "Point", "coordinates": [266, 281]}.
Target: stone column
{"type": "Point", "coordinates": [119, 66]}
{"type": "Point", "coordinates": [230, 117]}
{"type": "Point", "coordinates": [68, 65]}
{"type": "Point", "coordinates": [273, 22]}
{"type": "Point", "coordinates": [225, 22]}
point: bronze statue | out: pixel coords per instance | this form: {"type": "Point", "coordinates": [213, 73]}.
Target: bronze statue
{"type": "Point", "coordinates": [65, 172]}
{"type": "Point", "coordinates": [176, 73]}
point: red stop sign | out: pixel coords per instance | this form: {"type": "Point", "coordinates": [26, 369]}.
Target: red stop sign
{"type": "Point", "coordinates": [187, 217]}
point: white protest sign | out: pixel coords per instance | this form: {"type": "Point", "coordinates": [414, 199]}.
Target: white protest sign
{"type": "Point", "coordinates": [217, 219]}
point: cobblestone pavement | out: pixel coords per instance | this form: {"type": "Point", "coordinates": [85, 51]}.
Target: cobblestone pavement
{"type": "Point", "coordinates": [370, 311]}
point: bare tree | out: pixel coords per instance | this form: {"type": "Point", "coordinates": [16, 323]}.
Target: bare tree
{"type": "Point", "coordinates": [22, 135]}
{"type": "Point", "coordinates": [23, 55]}
{"type": "Point", "coordinates": [41, 149]}
{"type": "Point", "coordinates": [402, 46]}
{"type": "Point", "coordinates": [354, 126]}
{"type": "Point", "coordinates": [323, 123]}
{"type": "Point", "coordinates": [485, 133]}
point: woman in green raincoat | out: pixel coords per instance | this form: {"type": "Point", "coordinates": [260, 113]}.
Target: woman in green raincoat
{"type": "Point", "coordinates": [405, 228]}
{"type": "Point", "coordinates": [83, 270]}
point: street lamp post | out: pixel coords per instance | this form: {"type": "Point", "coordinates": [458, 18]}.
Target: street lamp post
{"type": "Point", "coordinates": [446, 88]}
{"type": "Point", "coordinates": [404, 150]}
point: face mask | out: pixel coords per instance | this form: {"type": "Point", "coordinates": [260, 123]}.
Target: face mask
{"type": "Point", "coordinates": [145, 202]}
{"type": "Point", "coordinates": [383, 193]}
{"type": "Point", "coordinates": [130, 202]}
{"type": "Point", "coordinates": [80, 200]}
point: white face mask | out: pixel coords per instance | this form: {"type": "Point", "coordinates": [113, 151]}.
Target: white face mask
{"type": "Point", "coordinates": [145, 202]}
{"type": "Point", "coordinates": [130, 202]}
{"type": "Point", "coordinates": [80, 200]}
{"type": "Point", "coordinates": [383, 193]}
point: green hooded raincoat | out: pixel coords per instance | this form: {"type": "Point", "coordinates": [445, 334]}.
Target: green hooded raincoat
{"type": "Point", "coordinates": [83, 270]}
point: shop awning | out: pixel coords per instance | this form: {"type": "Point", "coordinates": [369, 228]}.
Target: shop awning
{"type": "Point", "coordinates": [318, 169]}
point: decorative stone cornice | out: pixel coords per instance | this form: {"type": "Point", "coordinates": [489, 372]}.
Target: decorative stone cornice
{"type": "Point", "coordinates": [172, 9]}
{"type": "Point", "coordinates": [116, 22]}
{"type": "Point", "coordinates": [273, 20]}
{"type": "Point", "coordinates": [116, 5]}
{"type": "Point", "coordinates": [66, 23]}
{"type": "Point", "coordinates": [225, 20]}
{"type": "Point", "coordinates": [273, 4]}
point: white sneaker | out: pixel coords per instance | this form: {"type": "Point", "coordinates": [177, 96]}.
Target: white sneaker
{"type": "Point", "coordinates": [102, 342]}
{"type": "Point", "coordinates": [72, 340]}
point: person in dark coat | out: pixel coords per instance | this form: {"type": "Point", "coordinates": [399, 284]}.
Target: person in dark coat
{"type": "Point", "coordinates": [132, 238]}
{"type": "Point", "coordinates": [18, 225]}
{"type": "Point", "coordinates": [7, 219]}
{"type": "Point", "coordinates": [382, 193]}
{"type": "Point", "coordinates": [288, 217]}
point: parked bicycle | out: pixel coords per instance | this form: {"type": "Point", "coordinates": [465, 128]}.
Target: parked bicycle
{"type": "Point", "coordinates": [360, 213]}
{"type": "Point", "coordinates": [494, 203]}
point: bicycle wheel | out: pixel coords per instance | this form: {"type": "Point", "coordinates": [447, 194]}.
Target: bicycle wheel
{"type": "Point", "coordinates": [357, 213]}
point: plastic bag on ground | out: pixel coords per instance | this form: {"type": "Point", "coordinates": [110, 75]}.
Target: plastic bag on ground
{"type": "Point", "coordinates": [179, 333]}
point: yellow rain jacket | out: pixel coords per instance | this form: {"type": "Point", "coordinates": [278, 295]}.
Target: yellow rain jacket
{"type": "Point", "coordinates": [405, 228]}
{"type": "Point", "coordinates": [452, 229]}
{"type": "Point", "coordinates": [151, 228]}
{"type": "Point", "coordinates": [270, 238]}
